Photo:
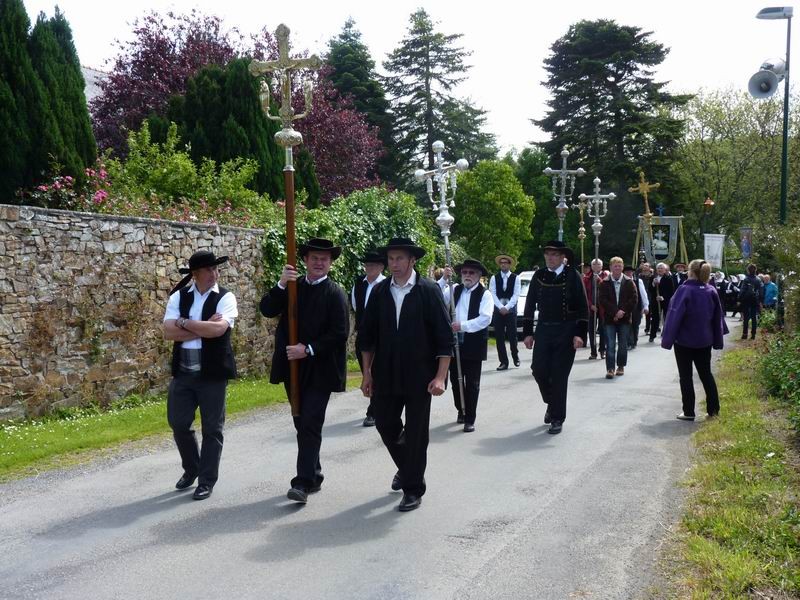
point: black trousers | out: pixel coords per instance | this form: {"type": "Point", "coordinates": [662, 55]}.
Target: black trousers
{"type": "Point", "coordinates": [750, 315]}
{"type": "Point", "coordinates": [553, 355]}
{"type": "Point", "coordinates": [655, 319]}
{"type": "Point", "coordinates": [186, 394]}
{"type": "Point", "coordinates": [308, 425]}
{"type": "Point", "coordinates": [471, 371]}
{"type": "Point", "coordinates": [633, 333]}
{"type": "Point", "coordinates": [505, 328]}
{"type": "Point", "coordinates": [701, 358]}
{"type": "Point", "coordinates": [595, 326]}
{"type": "Point", "coordinates": [360, 359]}
{"type": "Point", "coordinates": [408, 446]}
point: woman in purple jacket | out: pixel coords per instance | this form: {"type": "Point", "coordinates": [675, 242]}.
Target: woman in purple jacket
{"type": "Point", "coordinates": [695, 324]}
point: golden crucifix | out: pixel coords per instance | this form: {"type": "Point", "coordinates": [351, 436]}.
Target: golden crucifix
{"type": "Point", "coordinates": [644, 188]}
{"type": "Point", "coordinates": [287, 137]}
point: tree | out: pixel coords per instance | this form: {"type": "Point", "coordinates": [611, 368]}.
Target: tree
{"type": "Point", "coordinates": [494, 214]}
{"type": "Point", "coordinates": [56, 62]}
{"type": "Point", "coordinates": [423, 72]}
{"type": "Point", "coordinates": [165, 52]}
{"type": "Point", "coordinates": [352, 74]}
{"type": "Point", "coordinates": [612, 115]}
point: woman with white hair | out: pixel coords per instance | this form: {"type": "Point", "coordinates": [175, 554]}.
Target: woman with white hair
{"type": "Point", "coordinates": [695, 323]}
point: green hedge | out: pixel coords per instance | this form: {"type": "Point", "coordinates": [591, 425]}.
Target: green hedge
{"type": "Point", "coordinates": [780, 368]}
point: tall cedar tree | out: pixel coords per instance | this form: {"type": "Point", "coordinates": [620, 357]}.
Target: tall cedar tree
{"type": "Point", "coordinates": [221, 118]}
{"type": "Point", "coordinates": [164, 53]}
{"type": "Point", "coordinates": [56, 62]}
{"type": "Point", "coordinates": [28, 130]}
{"type": "Point", "coordinates": [423, 71]}
{"type": "Point", "coordinates": [612, 115]}
{"type": "Point", "coordinates": [352, 74]}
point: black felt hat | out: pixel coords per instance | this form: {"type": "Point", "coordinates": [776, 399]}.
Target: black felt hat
{"type": "Point", "coordinates": [319, 245]}
{"type": "Point", "coordinates": [560, 247]}
{"type": "Point", "coordinates": [402, 243]}
{"type": "Point", "coordinates": [475, 264]}
{"type": "Point", "coordinates": [373, 256]}
{"type": "Point", "coordinates": [200, 259]}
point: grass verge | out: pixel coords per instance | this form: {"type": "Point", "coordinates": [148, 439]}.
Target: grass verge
{"type": "Point", "coordinates": [740, 536]}
{"type": "Point", "coordinates": [76, 435]}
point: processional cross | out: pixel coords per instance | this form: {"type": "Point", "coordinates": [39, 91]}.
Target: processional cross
{"type": "Point", "coordinates": [644, 188]}
{"type": "Point", "coordinates": [287, 138]}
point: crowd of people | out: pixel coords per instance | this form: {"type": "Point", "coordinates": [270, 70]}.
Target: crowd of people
{"type": "Point", "coordinates": [406, 336]}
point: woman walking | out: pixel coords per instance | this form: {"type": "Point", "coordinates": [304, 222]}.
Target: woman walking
{"type": "Point", "coordinates": [695, 324]}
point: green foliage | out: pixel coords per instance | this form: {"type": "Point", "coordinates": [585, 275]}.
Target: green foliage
{"type": "Point", "coordinates": [494, 214]}
{"type": "Point", "coordinates": [353, 74]}
{"type": "Point", "coordinates": [777, 251]}
{"type": "Point", "coordinates": [742, 526]}
{"type": "Point", "coordinates": [780, 370]}
{"type": "Point", "coordinates": [423, 71]}
{"type": "Point", "coordinates": [358, 222]}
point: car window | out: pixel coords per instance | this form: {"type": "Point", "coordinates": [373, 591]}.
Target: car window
{"type": "Point", "coordinates": [523, 287]}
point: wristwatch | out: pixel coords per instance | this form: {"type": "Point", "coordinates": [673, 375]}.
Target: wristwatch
{"type": "Point", "coordinates": [308, 350]}
{"type": "Point", "coordinates": [181, 323]}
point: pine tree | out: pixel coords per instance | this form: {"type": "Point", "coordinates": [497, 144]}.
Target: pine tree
{"type": "Point", "coordinates": [614, 117]}
{"type": "Point", "coordinates": [29, 129]}
{"type": "Point", "coordinates": [423, 71]}
{"type": "Point", "coordinates": [352, 73]}
{"type": "Point", "coordinates": [54, 58]}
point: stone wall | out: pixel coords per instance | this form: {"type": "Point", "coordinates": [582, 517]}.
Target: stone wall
{"type": "Point", "coordinates": [82, 297]}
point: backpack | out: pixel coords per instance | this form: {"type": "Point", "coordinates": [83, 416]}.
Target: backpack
{"type": "Point", "coordinates": [747, 292]}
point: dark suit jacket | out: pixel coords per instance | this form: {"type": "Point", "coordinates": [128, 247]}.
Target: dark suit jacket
{"type": "Point", "coordinates": [405, 357]}
{"type": "Point", "coordinates": [607, 298]}
{"type": "Point", "coordinates": [323, 322]}
{"type": "Point", "coordinates": [666, 288]}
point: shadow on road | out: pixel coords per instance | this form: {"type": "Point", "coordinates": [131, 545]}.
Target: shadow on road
{"type": "Point", "coordinates": [355, 525]}
{"type": "Point", "coordinates": [519, 442]}
{"type": "Point", "coordinates": [669, 429]}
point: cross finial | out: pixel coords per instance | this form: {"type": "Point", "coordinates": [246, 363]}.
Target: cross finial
{"type": "Point", "coordinates": [283, 69]}
{"type": "Point", "coordinates": [644, 188]}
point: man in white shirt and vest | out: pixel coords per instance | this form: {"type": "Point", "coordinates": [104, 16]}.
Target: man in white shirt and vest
{"type": "Point", "coordinates": [474, 308]}
{"type": "Point", "coordinates": [374, 265]}
{"type": "Point", "coordinates": [505, 287]}
{"type": "Point", "coordinates": [199, 319]}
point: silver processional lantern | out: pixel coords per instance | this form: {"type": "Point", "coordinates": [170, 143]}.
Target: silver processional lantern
{"type": "Point", "coordinates": [563, 188]}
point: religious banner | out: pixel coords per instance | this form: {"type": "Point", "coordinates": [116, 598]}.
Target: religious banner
{"type": "Point", "coordinates": [747, 241]}
{"type": "Point", "coordinates": [663, 247]}
{"type": "Point", "coordinates": [713, 244]}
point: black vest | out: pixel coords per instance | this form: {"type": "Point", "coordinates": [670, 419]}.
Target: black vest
{"type": "Point", "coordinates": [360, 293]}
{"type": "Point", "coordinates": [502, 292]}
{"type": "Point", "coordinates": [556, 301]}
{"type": "Point", "coordinates": [474, 345]}
{"type": "Point", "coordinates": [216, 354]}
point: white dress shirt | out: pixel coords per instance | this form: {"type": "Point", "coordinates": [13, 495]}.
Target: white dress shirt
{"type": "Point", "coordinates": [399, 293]}
{"type": "Point", "coordinates": [378, 279]}
{"type": "Point", "coordinates": [510, 304]}
{"type": "Point", "coordinates": [643, 296]}
{"type": "Point", "coordinates": [462, 309]}
{"type": "Point", "coordinates": [226, 307]}
{"type": "Point", "coordinates": [558, 270]}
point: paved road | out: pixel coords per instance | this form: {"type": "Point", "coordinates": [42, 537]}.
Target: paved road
{"type": "Point", "coordinates": [511, 512]}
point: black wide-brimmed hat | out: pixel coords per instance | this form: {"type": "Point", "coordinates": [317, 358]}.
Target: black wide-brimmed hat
{"type": "Point", "coordinates": [475, 264]}
{"type": "Point", "coordinates": [560, 247]}
{"type": "Point", "coordinates": [373, 256]}
{"type": "Point", "coordinates": [402, 243]}
{"type": "Point", "coordinates": [628, 268]}
{"type": "Point", "coordinates": [200, 259]}
{"type": "Point", "coordinates": [319, 245]}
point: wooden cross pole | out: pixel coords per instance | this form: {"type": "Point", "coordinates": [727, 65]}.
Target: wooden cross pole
{"type": "Point", "coordinates": [287, 138]}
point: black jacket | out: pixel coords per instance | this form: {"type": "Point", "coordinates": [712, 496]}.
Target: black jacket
{"type": "Point", "coordinates": [558, 298]}
{"type": "Point", "coordinates": [405, 357]}
{"type": "Point", "coordinates": [323, 322]}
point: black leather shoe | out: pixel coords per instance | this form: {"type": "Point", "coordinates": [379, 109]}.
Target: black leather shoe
{"type": "Point", "coordinates": [369, 421]}
{"type": "Point", "coordinates": [547, 418]}
{"type": "Point", "coordinates": [469, 428]}
{"type": "Point", "coordinates": [314, 489]}
{"type": "Point", "coordinates": [185, 481]}
{"type": "Point", "coordinates": [397, 483]}
{"type": "Point", "coordinates": [516, 361]}
{"type": "Point", "coordinates": [409, 502]}
{"type": "Point", "coordinates": [460, 418]}
{"type": "Point", "coordinates": [298, 495]}
{"type": "Point", "coordinates": [593, 357]}
{"type": "Point", "coordinates": [555, 427]}
{"type": "Point", "coordinates": [202, 492]}
{"type": "Point", "coordinates": [502, 367]}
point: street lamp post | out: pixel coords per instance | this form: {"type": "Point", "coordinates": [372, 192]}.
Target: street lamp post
{"type": "Point", "coordinates": [444, 175]}
{"type": "Point", "coordinates": [762, 85]}
{"type": "Point", "coordinates": [563, 188]}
